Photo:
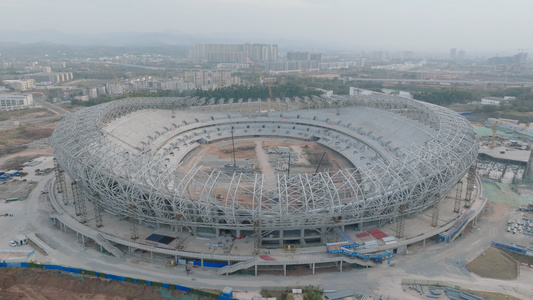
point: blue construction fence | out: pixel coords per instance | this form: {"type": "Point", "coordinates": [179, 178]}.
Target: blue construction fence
{"type": "Point", "coordinates": [115, 277]}
{"type": "Point", "coordinates": [209, 264]}
{"type": "Point", "coordinates": [507, 247]}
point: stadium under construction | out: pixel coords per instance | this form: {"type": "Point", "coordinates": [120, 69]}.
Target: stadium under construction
{"type": "Point", "coordinates": [303, 171]}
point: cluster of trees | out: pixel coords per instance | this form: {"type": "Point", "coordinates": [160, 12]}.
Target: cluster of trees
{"type": "Point", "coordinates": [92, 102]}
{"type": "Point", "coordinates": [445, 97]}
{"type": "Point", "coordinates": [258, 91]}
{"type": "Point", "coordinates": [521, 109]}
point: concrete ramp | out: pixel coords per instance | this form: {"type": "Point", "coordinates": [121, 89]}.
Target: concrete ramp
{"type": "Point", "coordinates": [107, 245]}
{"type": "Point", "coordinates": [40, 243]}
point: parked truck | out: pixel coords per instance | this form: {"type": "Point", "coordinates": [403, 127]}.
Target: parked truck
{"type": "Point", "coordinates": [19, 240]}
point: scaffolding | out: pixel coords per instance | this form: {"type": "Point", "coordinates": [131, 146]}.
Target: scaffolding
{"type": "Point", "coordinates": [458, 196]}
{"type": "Point", "coordinates": [400, 226]}
{"type": "Point", "coordinates": [79, 201]}
{"type": "Point", "coordinates": [98, 212]}
{"type": "Point", "coordinates": [470, 186]}
{"type": "Point", "coordinates": [134, 222]}
{"type": "Point", "coordinates": [61, 186]}
{"type": "Point", "coordinates": [435, 215]}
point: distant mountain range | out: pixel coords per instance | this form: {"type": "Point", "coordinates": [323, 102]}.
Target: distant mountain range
{"type": "Point", "coordinates": [143, 39]}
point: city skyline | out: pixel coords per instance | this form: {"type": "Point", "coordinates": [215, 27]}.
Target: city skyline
{"type": "Point", "coordinates": [476, 26]}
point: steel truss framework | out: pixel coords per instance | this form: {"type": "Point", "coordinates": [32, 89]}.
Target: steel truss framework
{"type": "Point", "coordinates": [122, 177]}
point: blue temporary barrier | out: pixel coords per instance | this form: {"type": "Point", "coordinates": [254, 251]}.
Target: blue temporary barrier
{"type": "Point", "coordinates": [110, 276]}
{"type": "Point", "coordinates": [210, 264]}
{"type": "Point", "coordinates": [503, 246]}
{"type": "Point", "coordinates": [181, 288]}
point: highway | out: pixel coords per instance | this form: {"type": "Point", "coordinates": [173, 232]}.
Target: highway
{"type": "Point", "coordinates": [470, 82]}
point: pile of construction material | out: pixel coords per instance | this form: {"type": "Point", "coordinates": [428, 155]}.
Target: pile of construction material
{"type": "Point", "coordinates": [528, 207]}
{"type": "Point", "coordinates": [458, 295]}
{"type": "Point", "coordinates": [524, 226]}
{"type": "Point", "coordinates": [434, 292]}
{"type": "Point", "coordinates": [418, 288]}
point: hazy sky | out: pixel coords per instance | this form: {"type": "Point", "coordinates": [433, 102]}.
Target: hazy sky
{"type": "Point", "coordinates": [473, 25]}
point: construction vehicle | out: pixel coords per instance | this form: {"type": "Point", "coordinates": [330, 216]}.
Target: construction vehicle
{"type": "Point", "coordinates": [19, 240]}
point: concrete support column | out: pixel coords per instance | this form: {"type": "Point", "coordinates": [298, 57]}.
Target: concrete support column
{"type": "Point", "coordinates": [302, 235]}
{"type": "Point", "coordinates": [255, 270]}
{"type": "Point", "coordinates": [341, 266]}
{"type": "Point", "coordinates": [424, 243]}
{"type": "Point", "coordinates": [313, 268]}
{"type": "Point", "coordinates": [360, 226]}
{"type": "Point", "coordinates": [202, 262]}
{"type": "Point", "coordinates": [281, 238]}
{"type": "Point", "coordinates": [217, 232]}
{"type": "Point", "coordinates": [284, 270]}
{"type": "Point", "coordinates": [238, 232]}
{"type": "Point", "coordinates": [152, 254]}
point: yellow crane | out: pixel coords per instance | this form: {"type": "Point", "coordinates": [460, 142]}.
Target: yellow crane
{"type": "Point", "coordinates": [265, 82]}
{"type": "Point", "coordinates": [493, 137]}
{"type": "Point", "coordinates": [126, 91]}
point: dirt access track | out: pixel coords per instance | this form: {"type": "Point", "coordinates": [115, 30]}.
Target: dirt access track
{"type": "Point", "coordinates": [21, 283]}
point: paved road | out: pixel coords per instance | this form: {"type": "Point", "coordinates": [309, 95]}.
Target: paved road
{"type": "Point", "coordinates": [52, 107]}
{"type": "Point", "coordinates": [471, 82]}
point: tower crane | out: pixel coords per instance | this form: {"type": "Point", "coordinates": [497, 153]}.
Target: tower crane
{"type": "Point", "coordinates": [493, 137]}
{"type": "Point", "coordinates": [126, 90]}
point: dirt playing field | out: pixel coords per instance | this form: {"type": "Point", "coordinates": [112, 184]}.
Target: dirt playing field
{"type": "Point", "coordinates": [21, 283]}
{"type": "Point", "coordinates": [253, 152]}
{"type": "Point", "coordinates": [493, 263]}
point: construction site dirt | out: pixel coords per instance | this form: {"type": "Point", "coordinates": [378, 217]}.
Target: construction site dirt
{"type": "Point", "coordinates": [20, 283]}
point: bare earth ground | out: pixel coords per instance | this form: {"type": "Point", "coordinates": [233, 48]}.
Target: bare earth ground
{"type": "Point", "coordinates": [246, 149]}
{"type": "Point", "coordinates": [493, 263]}
{"type": "Point", "coordinates": [21, 283]}
{"type": "Point", "coordinates": [10, 161]}
{"type": "Point", "coordinates": [13, 140]}
{"type": "Point", "coordinates": [15, 189]}
{"type": "Point", "coordinates": [26, 114]}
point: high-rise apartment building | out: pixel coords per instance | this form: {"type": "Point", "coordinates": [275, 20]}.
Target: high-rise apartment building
{"type": "Point", "coordinates": [227, 53]}
{"type": "Point", "coordinates": [453, 53]}
{"type": "Point", "coordinates": [206, 79]}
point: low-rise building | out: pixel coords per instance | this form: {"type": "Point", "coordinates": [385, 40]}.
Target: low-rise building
{"type": "Point", "coordinates": [496, 100]}
{"type": "Point", "coordinates": [52, 77]}
{"type": "Point", "coordinates": [10, 102]}
{"type": "Point", "coordinates": [20, 85]}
